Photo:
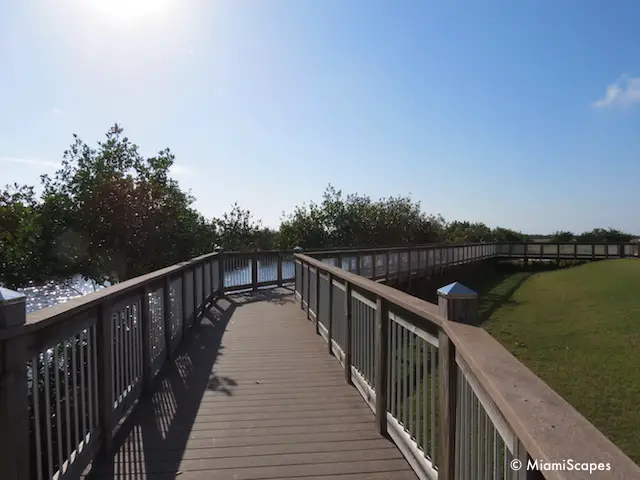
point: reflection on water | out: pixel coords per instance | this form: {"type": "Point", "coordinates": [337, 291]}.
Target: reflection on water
{"type": "Point", "coordinates": [53, 292]}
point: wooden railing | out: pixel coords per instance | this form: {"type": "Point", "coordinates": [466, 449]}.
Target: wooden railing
{"type": "Point", "coordinates": [70, 373]}
{"type": "Point", "coordinates": [397, 263]}
{"type": "Point", "coordinates": [455, 402]}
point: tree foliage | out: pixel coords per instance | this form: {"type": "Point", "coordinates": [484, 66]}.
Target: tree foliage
{"type": "Point", "coordinates": [110, 213]}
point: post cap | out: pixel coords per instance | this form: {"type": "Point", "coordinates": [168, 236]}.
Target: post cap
{"type": "Point", "coordinates": [298, 249]}
{"type": "Point", "coordinates": [9, 297]}
{"type": "Point", "coordinates": [218, 248]}
{"type": "Point", "coordinates": [457, 290]}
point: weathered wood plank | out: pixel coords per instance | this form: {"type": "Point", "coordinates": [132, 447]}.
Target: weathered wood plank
{"type": "Point", "coordinates": [253, 394]}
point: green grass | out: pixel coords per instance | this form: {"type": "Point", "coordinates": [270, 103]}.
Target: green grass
{"type": "Point", "coordinates": [578, 329]}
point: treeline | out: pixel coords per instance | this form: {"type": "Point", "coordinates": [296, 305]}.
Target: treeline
{"type": "Point", "coordinates": [596, 235]}
{"type": "Point", "coordinates": [110, 214]}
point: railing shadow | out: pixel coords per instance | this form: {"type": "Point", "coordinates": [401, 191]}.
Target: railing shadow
{"type": "Point", "coordinates": [497, 285]}
{"type": "Point", "coordinates": [279, 296]}
{"type": "Point", "coordinates": [154, 437]}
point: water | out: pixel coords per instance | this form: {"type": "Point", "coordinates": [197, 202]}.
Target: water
{"type": "Point", "coordinates": [54, 292]}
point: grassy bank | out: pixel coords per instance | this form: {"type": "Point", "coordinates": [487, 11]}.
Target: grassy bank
{"type": "Point", "coordinates": [578, 329]}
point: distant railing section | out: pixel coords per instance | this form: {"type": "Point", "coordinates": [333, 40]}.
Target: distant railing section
{"type": "Point", "coordinates": [454, 401]}
{"type": "Point", "coordinates": [397, 263]}
{"type": "Point", "coordinates": [564, 251]}
{"type": "Point", "coordinates": [75, 369]}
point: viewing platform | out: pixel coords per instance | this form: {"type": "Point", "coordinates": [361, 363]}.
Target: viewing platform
{"type": "Point", "coordinates": [277, 365]}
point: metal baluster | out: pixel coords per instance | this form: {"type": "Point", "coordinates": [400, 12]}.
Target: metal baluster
{"type": "Point", "coordinates": [36, 412]}
{"type": "Point", "coordinates": [405, 382]}
{"type": "Point", "coordinates": [65, 359]}
{"type": "Point", "coordinates": [77, 340]}
{"type": "Point", "coordinates": [425, 397]}
{"type": "Point", "coordinates": [433, 402]}
{"type": "Point", "coordinates": [56, 376]}
{"type": "Point", "coordinates": [82, 382]}
{"type": "Point", "coordinates": [47, 411]}
{"type": "Point", "coordinates": [411, 385]}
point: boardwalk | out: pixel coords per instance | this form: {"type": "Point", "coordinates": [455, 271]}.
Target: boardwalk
{"type": "Point", "coordinates": [252, 395]}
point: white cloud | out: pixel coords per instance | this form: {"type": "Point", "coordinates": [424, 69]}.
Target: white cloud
{"type": "Point", "coordinates": [31, 162]}
{"type": "Point", "coordinates": [56, 111]}
{"type": "Point", "coordinates": [623, 93]}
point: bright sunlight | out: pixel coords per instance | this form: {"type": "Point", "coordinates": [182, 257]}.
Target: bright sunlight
{"type": "Point", "coordinates": [130, 10]}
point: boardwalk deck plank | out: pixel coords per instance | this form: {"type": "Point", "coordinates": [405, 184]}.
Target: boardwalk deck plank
{"type": "Point", "coordinates": [252, 395]}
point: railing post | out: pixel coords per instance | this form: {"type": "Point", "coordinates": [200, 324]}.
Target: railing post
{"type": "Point", "coordinates": [318, 278]}
{"type": "Point", "coordinates": [280, 281]}
{"type": "Point", "coordinates": [386, 276]}
{"type": "Point", "coordinates": [211, 282]}
{"type": "Point", "coordinates": [204, 292]}
{"type": "Point", "coordinates": [456, 303]}
{"type": "Point", "coordinates": [185, 295]}
{"type": "Point", "coordinates": [145, 323]}
{"type": "Point", "coordinates": [330, 314]}
{"type": "Point", "coordinates": [621, 251]}
{"type": "Point", "coordinates": [357, 263]}
{"type": "Point", "coordinates": [14, 405]}
{"type": "Point", "coordinates": [382, 333]}
{"type": "Point", "coordinates": [105, 372]}
{"type": "Point", "coordinates": [348, 340]}
{"type": "Point", "coordinates": [299, 250]}
{"type": "Point", "coordinates": [167, 315]}
{"type": "Point", "coordinates": [409, 267]}
{"type": "Point", "coordinates": [301, 285]}
{"type": "Point", "coordinates": [254, 270]}
{"type": "Point", "coordinates": [195, 294]}
{"type": "Point", "coordinates": [220, 273]}
{"type": "Point", "coordinates": [575, 250]}
{"type": "Point", "coordinates": [374, 274]}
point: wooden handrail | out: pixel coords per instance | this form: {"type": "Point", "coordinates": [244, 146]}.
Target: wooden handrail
{"type": "Point", "coordinates": [546, 427]}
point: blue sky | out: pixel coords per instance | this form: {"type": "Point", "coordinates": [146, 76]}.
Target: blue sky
{"type": "Point", "coordinates": [524, 114]}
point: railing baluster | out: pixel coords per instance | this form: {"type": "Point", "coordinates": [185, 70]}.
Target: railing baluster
{"type": "Point", "coordinates": [47, 411]}
{"type": "Point", "coordinates": [381, 324]}
{"type": "Point", "coordinates": [82, 384]}
{"type": "Point", "coordinates": [425, 399]}
{"type": "Point", "coordinates": [105, 374]}
{"type": "Point", "coordinates": [74, 373]}
{"type": "Point", "coordinates": [411, 385]}
{"type": "Point", "coordinates": [36, 410]}
{"type": "Point", "coordinates": [65, 360]}
{"type": "Point", "coordinates": [349, 332]}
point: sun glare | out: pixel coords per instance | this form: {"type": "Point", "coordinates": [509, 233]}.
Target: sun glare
{"type": "Point", "coordinates": [130, 10]}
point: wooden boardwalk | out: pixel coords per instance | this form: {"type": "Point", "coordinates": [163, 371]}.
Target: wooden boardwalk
{"type": "Point", "coordinates": [252, 395]}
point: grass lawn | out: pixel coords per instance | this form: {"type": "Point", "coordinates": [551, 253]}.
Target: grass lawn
{"type": "Point", "coordinates": [578, 329]}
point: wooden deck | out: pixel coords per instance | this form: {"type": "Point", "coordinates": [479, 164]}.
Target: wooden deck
{"type": "Point", "coordinates": [252, 395]}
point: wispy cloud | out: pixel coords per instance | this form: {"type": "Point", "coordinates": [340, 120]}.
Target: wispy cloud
{"type": "Point", "coordinates": [57, 111]}
{"type": "Point", "coordinates": [31, 162]}
{"type": "Point", "coordinates": [622, 93]}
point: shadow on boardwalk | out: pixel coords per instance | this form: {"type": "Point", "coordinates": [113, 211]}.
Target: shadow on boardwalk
{"type": "Point", "coordinates": [163, 418]}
